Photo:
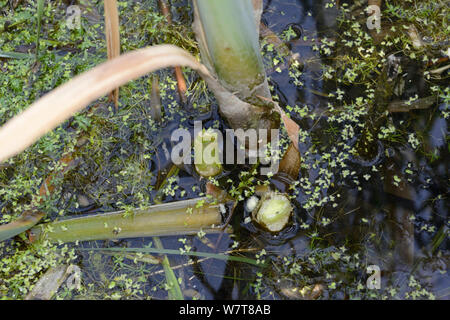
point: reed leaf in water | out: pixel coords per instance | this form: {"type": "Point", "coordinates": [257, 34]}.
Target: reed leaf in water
{"type": "Point", "coordinates": [60, 104]}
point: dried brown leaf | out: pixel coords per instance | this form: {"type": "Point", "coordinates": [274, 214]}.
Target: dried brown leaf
{"type": "Point", "coordinates": [290, 164]}
{"type": "Point", "coordinates": [291, 126]}
{"type": "Point", "coordinates": [63, 102]}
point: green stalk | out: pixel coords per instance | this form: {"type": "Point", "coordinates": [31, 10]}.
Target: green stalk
{"type": "Point", "coordinates": [177, 218]}
{"type": "Point", "coordinates": [273, 212]}
{"type": "Point", "coordinates": [231, 44]}
{"type": "Point", "coordinates": [40, 13]}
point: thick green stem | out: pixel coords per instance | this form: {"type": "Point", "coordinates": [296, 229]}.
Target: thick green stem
{"type": "Point", "coordinates": [178, 218]}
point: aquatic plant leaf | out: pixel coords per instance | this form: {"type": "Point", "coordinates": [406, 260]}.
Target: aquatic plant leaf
{"type": "Point", "coordinates": [440, 236]}
{"type": "Point", "coordinates": [290, 163]}
{"type": "Point", "coordinates": [40, 13]}
{"type": "Point", "coordinates": [219, 256]}
{"type": "Point", "coordinates": [49, 283]}
{"type": "Point", "coordinates": [112, 38]}
{"type": "Point", "coordinates": [406, 106]}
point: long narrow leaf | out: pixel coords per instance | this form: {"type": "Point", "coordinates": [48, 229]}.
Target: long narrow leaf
{"type": "Point", "coordinates": [176, 218]}
{"type": "Point", "coordinates": [25, 222]}
{"type": "Point", "coordinates": [218, 256]}
{"type": "Point", "coordinates": [175, 292]}
{"type": "Point", "coordinates": [40, 13]}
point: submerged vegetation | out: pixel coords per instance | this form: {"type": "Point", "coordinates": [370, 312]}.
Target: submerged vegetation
{"type": "Point", "coordinates": [372, 108]}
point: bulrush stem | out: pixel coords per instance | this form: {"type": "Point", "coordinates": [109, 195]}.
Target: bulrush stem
{"type": "Point", "coordinates": [177, 218]}
{"type": "Point", "coordinates": [232, 44]}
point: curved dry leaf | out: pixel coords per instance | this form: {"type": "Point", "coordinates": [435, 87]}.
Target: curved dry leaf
{"type": "Point", "coordinates": [63, 102]}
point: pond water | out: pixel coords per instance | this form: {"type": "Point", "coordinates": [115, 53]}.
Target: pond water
{"type": "Point", "coordinates": [386, 211]}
